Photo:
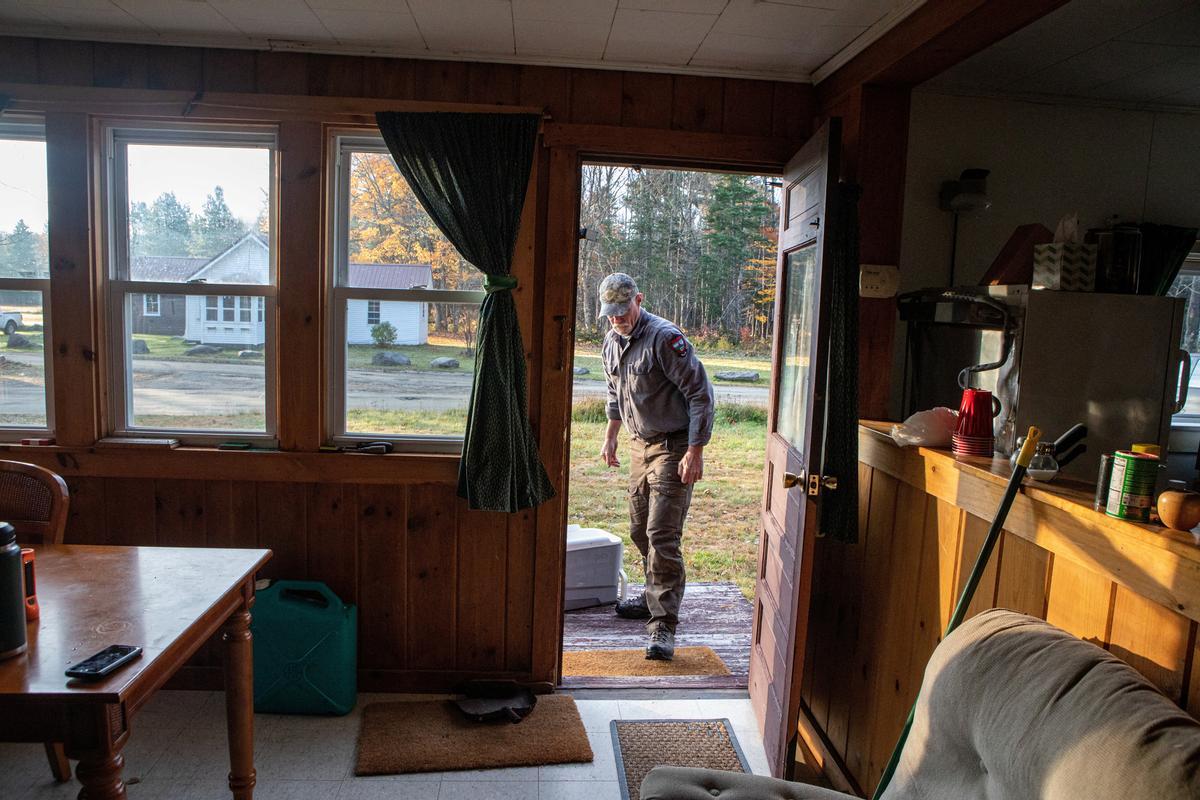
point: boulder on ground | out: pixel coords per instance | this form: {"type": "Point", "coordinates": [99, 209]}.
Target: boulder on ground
{"type": "Point", "coordinates": [140, 348]}
{"type": "Point", "coordinates": [580, 370]}
{"type": "Point", "coordinates": [18, 342]}
{"type": "Point", "coordinates": [444, 363]}
{"type": "Point", "coordinates": [250, 354]}
{"type": "Point", "coordinates": [202, 350]}
{"type": "Point", "coordinates": [740, 375]}
{"type": "Point", "coordinates": [389, 359]}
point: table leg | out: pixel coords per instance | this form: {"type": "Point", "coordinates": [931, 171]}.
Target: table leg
{"type": "Point", "coordinates": [100, 775]}
{"type": "Point", "coordinates": [239, 699]}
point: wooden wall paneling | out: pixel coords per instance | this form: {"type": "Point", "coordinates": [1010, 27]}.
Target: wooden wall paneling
{"type": "Point", "coordinates": [1024, 578]}
{"type": "Point", "coordinates": [174, 68]}
{"type": "Point", "coordinates": [281, 73]}
{"type": "Point", "coordinates": [19, 60]}
{"type": "Point", "coordinates": [129, 513]}
{"type": "Point", "coordinates": [1153, 640]}
{"type": "Point", "coordinates": [951, 520]}
{"type": "Point", "coordinates": [299, 354]}
{"type": "Point", "coordinates": [441, 80]}
{"type": "Point", "coordinates": [382, 576]}
{"type": "Point", "coordinates": [874, 619]}
{"type": "Point", "coordinates": [595, 97]}
{"type": "Point", "coordinates": [218, 515]}
{"type": "Point", "coordinates": [228, 70]}
{"type": "Point", "coordinates": [432, 580]}
{"type": "Point", "coordinates": [974, 532]}
{"type": "Point", "coordinates": [1193, 698]}
{"type": "Point", "coordinates": [548, 87]}
{"type": "Point", "coordinates": [120, 66]}
{"type": "Point", "coordinates": [792, 111]}
{"type": "Point", "coordinates": [494, 83]}
{"type": "Point", "coordinates": [941, 529]}
{"type": "Point", "coordinates": [75, 361]}
{"type": "Point", "coordinates": [697, 104]}
{"type": "Point", "coordinates": [820, 605]}
{"type": "Point", "coordinates": [645, 99]}
{"type": "Point", "coordinates": [179, 508]}
{"type": "Point", "coordinates": [554, 426]}
{"type": "Point", "coordinates": [333, 513]}
{"type": "Point", "coordinates": [850, 599]}
{"type": "Point", "coordinates": [282, 515]}
{"type": "Point", "coordinates": [389, 77]}
{"type": "Point", "coordinates": [748, 108]}
{"type": "Point", "coordinates": [86, 515]}
{"type": "Point", "coordinates": [335, 76]}
{"type": "Point", "coordinates": [520, 550]}
{"type": "Point", "coordinates": [1080, 601]}
{"type": "Point", "coordinates": [483, 575]}
{"type": "Point", "coordinates": [64, 62]}
{"type": "Point", "coordinates": [894, 691]}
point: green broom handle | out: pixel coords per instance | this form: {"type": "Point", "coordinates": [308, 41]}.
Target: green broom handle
{"type": "Point", "coordinates": [968, 592]}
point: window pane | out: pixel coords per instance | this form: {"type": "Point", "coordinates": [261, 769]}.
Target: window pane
{"type": "Point", "coordinates": [393, 243]}
{"type": "Point", "coordinates": [193, 373]}
{"type": "Point", "coordinates": [22, 360]}
{"type": "Point", "coordinates": [1187, 286]}
{"type": "Point", "coordinates": [419, 382]}
{"type": "Point", "coordinates": [23, 210]}
{"type": "Point", "coordinates": [199, 213]}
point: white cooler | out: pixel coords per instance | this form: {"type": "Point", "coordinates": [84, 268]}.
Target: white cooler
{"type": "Point", "coordinates": [594, 574]}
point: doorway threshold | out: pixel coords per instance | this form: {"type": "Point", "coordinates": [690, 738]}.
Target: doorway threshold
{"type": "Point", "coordinates": [714, 615]}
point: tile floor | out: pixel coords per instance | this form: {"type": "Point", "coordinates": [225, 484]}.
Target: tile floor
{"type": "Point", "coordinates": [177, 752]}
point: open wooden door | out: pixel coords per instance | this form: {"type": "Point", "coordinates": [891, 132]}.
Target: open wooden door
{"type": "Point", "coordinates": [793, 482]}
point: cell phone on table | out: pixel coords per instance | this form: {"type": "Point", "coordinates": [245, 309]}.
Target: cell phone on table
{"type": "Point", "coordinates": [104, 663]}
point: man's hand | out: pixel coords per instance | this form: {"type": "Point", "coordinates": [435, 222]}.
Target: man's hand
{"type": "Point", "coordinates": [691, 466]}
{"type": "Point", "coordinates": [608, 451]}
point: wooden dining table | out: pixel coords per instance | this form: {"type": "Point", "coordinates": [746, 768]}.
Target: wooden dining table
{"type": "Point", "coordinates": [167, 600]}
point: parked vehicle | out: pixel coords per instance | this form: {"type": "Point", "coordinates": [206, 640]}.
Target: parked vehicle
{"type": "Point", "coordinates": [10, 321]}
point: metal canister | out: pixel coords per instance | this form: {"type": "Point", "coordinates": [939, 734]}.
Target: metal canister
{"type": "Point", "coordinates": [12, 598]}
{"type": "Point", "coordinates": [1102, 481]}
{"type": "Point", "coordinates": [1131, 488]}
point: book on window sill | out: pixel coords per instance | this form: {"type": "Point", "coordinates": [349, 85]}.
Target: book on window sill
{"type": "Point", "coordinates": [137, 442]}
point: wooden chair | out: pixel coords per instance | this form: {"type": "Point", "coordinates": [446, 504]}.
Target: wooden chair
{"type": "Point", "coordinates": [35, 501]}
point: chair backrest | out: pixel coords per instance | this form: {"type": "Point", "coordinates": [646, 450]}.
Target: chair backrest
{"type": "Point", "coordinates": [1014, 708]}
{"type": "Point", "coordinates": [35, 501]}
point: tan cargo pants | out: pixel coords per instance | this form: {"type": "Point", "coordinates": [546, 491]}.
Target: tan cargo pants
{"type": "Point", "coordinates": [658, 505]}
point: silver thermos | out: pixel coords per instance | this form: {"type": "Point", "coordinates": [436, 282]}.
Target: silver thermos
{"type": "Point", "coordinates": [12, 599]}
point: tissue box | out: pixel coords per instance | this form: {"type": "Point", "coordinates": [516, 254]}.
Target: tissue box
{"type": "Point", "coordinates": [1064, 266]}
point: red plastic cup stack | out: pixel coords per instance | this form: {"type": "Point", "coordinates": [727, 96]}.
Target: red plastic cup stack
{"type": "Point", "coordinates": [973, 436]}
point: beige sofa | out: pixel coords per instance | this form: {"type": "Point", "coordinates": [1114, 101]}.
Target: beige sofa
{"type": "Point", "coordinates": [1011, 708]}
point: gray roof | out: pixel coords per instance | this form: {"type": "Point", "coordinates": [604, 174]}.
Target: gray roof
{"type": "Point", "coordinates": [164, 268]}
{"type": "Point", "coordinates": [390, 276]}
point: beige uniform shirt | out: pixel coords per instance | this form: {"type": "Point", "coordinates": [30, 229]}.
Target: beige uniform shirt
{"type": "Point", "coordinates": [656, 385]}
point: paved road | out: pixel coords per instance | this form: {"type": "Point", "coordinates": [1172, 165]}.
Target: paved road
{"type": "Point", "coordinates": [170, 387]}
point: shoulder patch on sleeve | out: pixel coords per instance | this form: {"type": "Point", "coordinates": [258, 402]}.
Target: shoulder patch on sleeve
{"type": "Point", "coordinates": [679, 345]}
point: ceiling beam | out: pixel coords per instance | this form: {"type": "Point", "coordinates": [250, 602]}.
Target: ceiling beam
{"type": "Point", "coordinates": [929, 41]}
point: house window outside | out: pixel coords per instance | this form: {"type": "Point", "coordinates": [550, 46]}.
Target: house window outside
{"type": "Point", "coordinates": [25, 382]}
{"type": "Point", "coordinates": [390, 264]}
{"type": "Point", "coordinates": [1187, 286]}
{"type": "Point", "coordinates": [190, 226]}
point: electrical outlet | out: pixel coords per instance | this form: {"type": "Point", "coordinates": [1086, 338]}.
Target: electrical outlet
{"type": "Point", "coordinates": [878, 280]}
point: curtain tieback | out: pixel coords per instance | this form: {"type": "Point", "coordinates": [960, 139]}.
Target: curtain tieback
{"type": "Point", "coordinates": [498, 283]}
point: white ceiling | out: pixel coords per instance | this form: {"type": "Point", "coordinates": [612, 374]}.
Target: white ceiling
{"type": "Point", "coordinates": [779, 39]}
{"type": "Point", "coordinates": [1128, 51]}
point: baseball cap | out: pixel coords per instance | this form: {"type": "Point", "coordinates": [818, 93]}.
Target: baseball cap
{"type": "Point", "coordinates": [616, 294]}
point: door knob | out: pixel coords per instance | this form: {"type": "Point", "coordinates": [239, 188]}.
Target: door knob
{"type": "Point", "coordinates": [791, 479]}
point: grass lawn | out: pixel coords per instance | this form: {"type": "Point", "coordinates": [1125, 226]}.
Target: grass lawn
{"type": "Point", "coordinates": [588, 355]}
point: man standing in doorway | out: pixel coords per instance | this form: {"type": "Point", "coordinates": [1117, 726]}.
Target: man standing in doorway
{"type": "Point", "coordinates": [659, 389]}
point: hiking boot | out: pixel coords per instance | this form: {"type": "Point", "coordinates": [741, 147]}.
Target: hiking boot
{"type": "Point", "coordinates": [634, 607]}
{"type": "Point", "coordinates": [661, 646]}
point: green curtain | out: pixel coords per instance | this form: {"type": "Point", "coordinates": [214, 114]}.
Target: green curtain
{"type": "Point", "coordinates": [470, 171]}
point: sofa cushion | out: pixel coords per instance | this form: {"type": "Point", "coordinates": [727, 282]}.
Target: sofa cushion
{"type": "Point", "coordinates": [680, 783]}
{"type": "Point", "coordinates": [1012, 708]}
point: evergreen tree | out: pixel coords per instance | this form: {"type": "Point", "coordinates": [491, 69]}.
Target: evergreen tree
{"type": "Point", "coordinates": [165, 227]}
{"type": "Point", "coordinates": [216, 228]}
{"type": "Point", "coordinates": [20, 252]}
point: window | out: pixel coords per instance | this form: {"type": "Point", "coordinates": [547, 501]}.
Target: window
{"type": "Point", "coordinates": [191, 237]}
{"type": "Point", "coordinates": [24, 282]}
{"type": "Point", "coordinates": [1187, 286]}
{"type": "Point", "coordinates": [411, 376]}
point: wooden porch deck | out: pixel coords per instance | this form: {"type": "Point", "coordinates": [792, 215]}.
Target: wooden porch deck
{"type": "Point", "coordinates": [713, 614]}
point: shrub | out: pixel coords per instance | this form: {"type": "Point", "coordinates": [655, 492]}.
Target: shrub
{"type": "Point", "coordinates": [384, 334]}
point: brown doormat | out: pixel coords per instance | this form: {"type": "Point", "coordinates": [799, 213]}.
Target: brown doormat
{"type": "Point", "coordinates": [434, 736]}
{"type": "Point", "coordinates": [641, 745]}
{"type": "Point", "coordinates": [617, 663]}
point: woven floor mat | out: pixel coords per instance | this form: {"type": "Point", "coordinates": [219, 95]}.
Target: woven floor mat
{"type": "Point", "coordinates": [617, 663]}
{"type": "Point", "coordinates": [434, 736]}
{"type": "Point", "coordinates": [642, 745]}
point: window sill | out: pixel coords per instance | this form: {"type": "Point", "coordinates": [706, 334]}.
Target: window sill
{"type": "Point", "coordinates": [211, 464]}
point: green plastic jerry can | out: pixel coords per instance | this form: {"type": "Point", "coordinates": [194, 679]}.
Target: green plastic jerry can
{"type": "Point", "coordinates": [305, 650]}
